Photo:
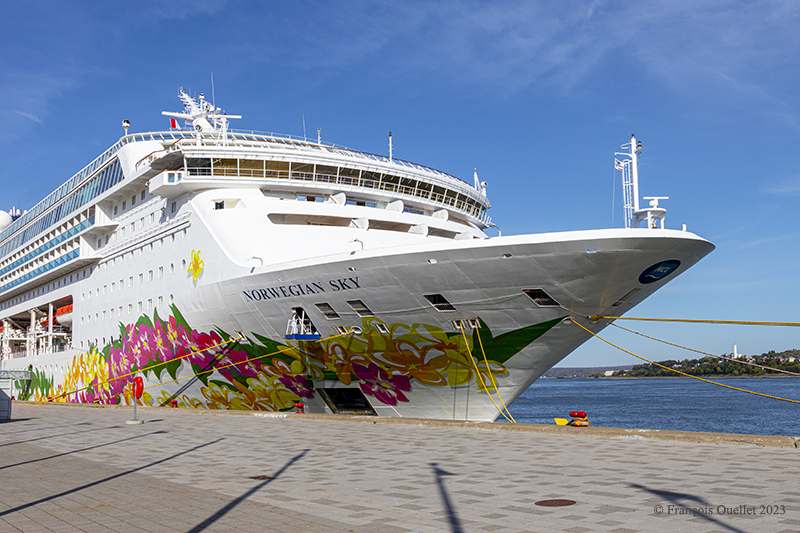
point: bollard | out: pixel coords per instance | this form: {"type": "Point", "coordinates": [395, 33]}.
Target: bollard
{"type": "Point", "coordinates": [174, 404]}
{"type": "Point", "coordinates": [300, 407]}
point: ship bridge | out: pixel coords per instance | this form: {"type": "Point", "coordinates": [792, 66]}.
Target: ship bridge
{"type": "Point", "coordinates": [193, 161]}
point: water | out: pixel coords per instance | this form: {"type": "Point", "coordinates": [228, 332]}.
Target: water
{"type": "Point", "coordinates": [676, 403]}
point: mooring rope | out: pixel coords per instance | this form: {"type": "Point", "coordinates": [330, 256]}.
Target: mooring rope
{"type": "Point", "coordinates": [697, 321]}
{"type": "Point", "coordinates": [494, 381]}
{"type": "Point", "coordinates": [282, 350]}
{"type": "Point", "coordinates": [707, 353]}
{"type": "Point", "coordinates": [106, 382]}
{"type": "Point", "coordinates": [480, 377]}
{"type": "Point", "coordinates": [678, 371]}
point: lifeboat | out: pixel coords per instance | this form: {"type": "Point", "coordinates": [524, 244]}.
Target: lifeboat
{"type": "Point", "coordinates": [64, 315]}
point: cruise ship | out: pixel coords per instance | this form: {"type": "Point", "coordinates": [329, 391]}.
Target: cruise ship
{"type": "Point", "coordinates": [240, 270]}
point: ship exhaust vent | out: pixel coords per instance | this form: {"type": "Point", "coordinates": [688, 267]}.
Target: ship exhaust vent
{"type": "Point", "coordinates": [327, 311]}
{"type": "Point", "coordinates": [439, 302]}
{"type": "Point", "coordinates": [625, 298]}
{"type": "Point", "coordinates": [347, 401]}
{"type": "Point", "coordinates": [541, 298]}
{"type": "Point", "coordinates": [360, 307]}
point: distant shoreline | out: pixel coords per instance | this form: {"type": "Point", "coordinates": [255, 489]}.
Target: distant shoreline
{"type": "Point", "coordinates": [704, 376]}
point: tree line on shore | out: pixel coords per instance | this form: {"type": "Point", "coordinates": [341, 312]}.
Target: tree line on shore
{"type": "Point", "coordinates": [712, 366]}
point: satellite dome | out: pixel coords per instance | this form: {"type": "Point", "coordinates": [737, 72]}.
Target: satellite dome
{"type": "Point", "coordinates": [5, 220]}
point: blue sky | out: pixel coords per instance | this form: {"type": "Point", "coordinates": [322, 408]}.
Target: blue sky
{"type": "Point", "coordinates": [536, 95]}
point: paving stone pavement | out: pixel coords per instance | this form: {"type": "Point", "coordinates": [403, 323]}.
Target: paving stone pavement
{"type": "Point", "coordinates": [68, 468]}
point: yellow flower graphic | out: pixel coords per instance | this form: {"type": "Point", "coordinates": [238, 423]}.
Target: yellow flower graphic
{"type": "Point", "coordinates": [196, 266]}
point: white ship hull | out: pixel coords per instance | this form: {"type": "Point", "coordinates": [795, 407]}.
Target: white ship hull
{"type": "Point", "coordinates": [482, 280]}
{"type": "Point", "coordinates": [190, 260]}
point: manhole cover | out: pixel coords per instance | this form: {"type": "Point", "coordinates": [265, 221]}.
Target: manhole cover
{"type": "Point", "coordinates": [555, 503]}
{"type": "Point", "coordinates": [264, 478]}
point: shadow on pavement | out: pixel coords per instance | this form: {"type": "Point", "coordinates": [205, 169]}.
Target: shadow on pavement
{"type": "Point", "coordinates": [679, 500]}
{"type": "Point", "coordinates": [225, 510]}
{"type": "Point", "coordinates": [452, 515]}
{"type": "Point", "coordinates": [105, 480]}
{"type": "Point", "coordinates": [59, 435]}
{"type": "Point", "coordinates": [40, 428]}
{"type": "Point", "coordinates": [81, 450]}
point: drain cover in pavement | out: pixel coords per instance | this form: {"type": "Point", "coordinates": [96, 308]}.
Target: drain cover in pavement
{"type": "Point", "coordinates": [555, 503]}
{"type": "Point", "coordinates": [264, 478]}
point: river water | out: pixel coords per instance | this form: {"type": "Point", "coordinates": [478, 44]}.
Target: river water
{"type": "Point", "coordinates": [669, 403]}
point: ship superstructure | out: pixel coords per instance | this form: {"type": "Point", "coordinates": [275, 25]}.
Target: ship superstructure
{"type": "Point", "coordinates": [253, 271]}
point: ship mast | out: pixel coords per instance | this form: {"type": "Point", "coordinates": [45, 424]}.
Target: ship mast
{"type": "Point", "coordinates": [628, 163]}
{"type": "Point", "coordinates": [202, 116]}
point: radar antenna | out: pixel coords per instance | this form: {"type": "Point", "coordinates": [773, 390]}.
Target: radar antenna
{"type": "Point", "coordinates": [202, 116]}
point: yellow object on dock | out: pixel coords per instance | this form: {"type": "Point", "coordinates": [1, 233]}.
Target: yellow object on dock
{"type": "Point", "coordinates": [561, 421]}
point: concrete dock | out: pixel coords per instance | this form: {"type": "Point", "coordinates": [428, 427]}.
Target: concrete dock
{"type": "Point", "coordinates": [82, 468]}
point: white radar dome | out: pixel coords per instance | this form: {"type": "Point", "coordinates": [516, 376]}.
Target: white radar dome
{"type": "Point", "coordinates": [5, 220]}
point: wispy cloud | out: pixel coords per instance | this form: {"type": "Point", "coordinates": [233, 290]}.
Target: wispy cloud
{"type": "Point", "coordinates": [504, 48]}
{"type": "Point", "coordinates": [787, 188]}
{"type": "Point", "coordinates": [28, 115]}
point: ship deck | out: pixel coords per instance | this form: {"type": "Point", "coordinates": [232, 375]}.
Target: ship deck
{"type": "Point", "coordinates": [80, 468]}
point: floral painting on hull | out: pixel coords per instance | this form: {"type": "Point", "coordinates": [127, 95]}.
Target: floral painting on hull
{"type": "Point", "coordinates": [258, 373]}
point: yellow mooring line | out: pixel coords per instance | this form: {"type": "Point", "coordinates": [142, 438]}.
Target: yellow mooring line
{"type": "Point", "coordinates": [678, 371]}
{"type": "Point", "coordinates": [698, 321]}
{"type": "Point", "coordinates": [732, 360]}
{"type": "Point", "coordinates": [115, 378]}
{"type": "Point", "coordinates": [480, 377]}
{"type": "Point", "coordinates": [236, 363]}
{"type": "Point", "coordinates": [282, 350]}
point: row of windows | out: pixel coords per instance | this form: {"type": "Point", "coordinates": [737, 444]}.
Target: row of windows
{"type": "Point", "coordinates": [106, 179]}
{"type": "Point", "coordinates": [127, 227]}
{"type": "Point", "coordinates": [125, 203]}
{"type": "Point", "coordinates": [87, 272]}
{"type": "Point", "coordinates": [466, 200]}
{"type": "Point", "coordinates": [41, 270]}
{"type": "Point", "coordinates": [119, 312]}
{"type": "Point", "coordinates": [37, 251]}
{"type": "Point", "coordinates": [45, 289]}
{"type": "Point", "coordinates": [114, 286]}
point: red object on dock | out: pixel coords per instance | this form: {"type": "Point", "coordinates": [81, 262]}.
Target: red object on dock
{"type": "Point", "coordinates": [174, 404]}
{"type": "Point", "coordinates": [300, 407]}
{"type": "Point", "coordinates": [138, 387]}
{"type": "Point", "coordinates": [577, 414]}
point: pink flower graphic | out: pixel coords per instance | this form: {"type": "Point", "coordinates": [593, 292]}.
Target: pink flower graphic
{"type": "Point", "coordinates": [298, 385]}
{"type": "Point", "coordinates": [375, 381]}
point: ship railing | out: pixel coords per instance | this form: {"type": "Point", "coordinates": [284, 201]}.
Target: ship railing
{"type": "Point", "coordinates": [48, 245]}
{"type": "Point", "coordinates": [474, 210]}
{"type": "Point", "coordinates": [17, 354]}
{"type": "Point", "coordinates": [69, 256]}
{"type": "Point", "coordinates": [257, 139]}
{"type": "Point", "coordinates": [56, 348]}
{"type": "Point", "coordinates": [176, 136]}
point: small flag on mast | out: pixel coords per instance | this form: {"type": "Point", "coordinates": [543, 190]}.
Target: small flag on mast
{"type": "Point", "coordinates": [173, 124]}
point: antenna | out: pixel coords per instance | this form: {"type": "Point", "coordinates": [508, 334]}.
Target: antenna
{"type": "Point", "coordinates": [390, 146]}
{"type": "Point", "coordinates": [319, 135]}
{"type": "Point", "coordinates": [304, 127]}
{"type": "Point", "coordinates": [213, 98]}
{"type": "Point", "coordinates": [125, 125]}
{"type": "Point", "coordinates": [629, 165]}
